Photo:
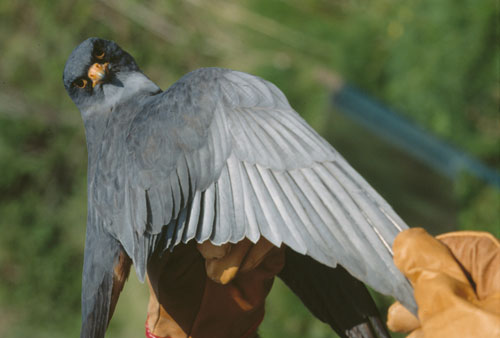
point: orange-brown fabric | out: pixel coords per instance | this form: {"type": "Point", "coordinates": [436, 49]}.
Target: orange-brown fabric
{"type": "Point", "coordinates": [203, 291]}
{"type": "Point", "coordinates": [456, 281]}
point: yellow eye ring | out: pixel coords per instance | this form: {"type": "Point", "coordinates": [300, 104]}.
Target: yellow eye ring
{"type": "Point", "coordinates": [100, 56]}
{"type": "Point", "coordinates": [80, 83]}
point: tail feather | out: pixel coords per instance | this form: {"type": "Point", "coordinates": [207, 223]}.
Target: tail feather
{"type": "Point", "coordinates": [105, 269]}
{"type": "Point", "coordinates": [333, 296]}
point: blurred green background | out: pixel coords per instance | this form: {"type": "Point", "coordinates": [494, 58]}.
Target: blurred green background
{"type": "Point", "coordinates": [436, 62]}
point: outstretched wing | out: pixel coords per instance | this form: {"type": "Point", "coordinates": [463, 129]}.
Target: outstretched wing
{"type": "Point", "coordinates": [221, 156]}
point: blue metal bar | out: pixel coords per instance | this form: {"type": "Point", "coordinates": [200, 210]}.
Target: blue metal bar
{"type": "Point", "coordinates": [404, 134]}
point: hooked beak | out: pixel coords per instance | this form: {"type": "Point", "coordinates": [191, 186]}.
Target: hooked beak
{"type": "Point", "coordinates": [97, 73]}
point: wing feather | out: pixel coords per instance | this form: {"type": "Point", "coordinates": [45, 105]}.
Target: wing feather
{"type": "Point", "coordinates": [222, 231]}
{"type": "Point", "coordinates": [349, 174]}
{"type": "Point", "coordinates": [252, 208]}
{"type": "Point", "coordinates": [267, 143]}
{"type": "Point", "coordinates": [270, 220]}
{"type": "Point", "coordinates": [371, 209]}
{"type": "Point", "coordinates": [156, 201]}
{"type": "Point", "coordinates": [193, 218]}
{"type": "Point", "coordinates": [316, 147]}
{"type": "Point", "coordinates": [238, 200]}
{"type": "Point", "coordinates": [285, 213]}
{"type": "Point", "coordinates": [334, 240]}
{"type": "Point", "coordinates": [184, 180]}
{"type": "Point", "coordinates": [176, 193]}
{"type": "Point", "coordinates": [164, 206]}
{"type": "Point", "coordinates": [204, 230]}
{"type": "Point", "coordinates": [303, 220]}
{"type": "Point", "coordinates": [180, 225]}
{"type": "Point", "coordinates": [287, 141]}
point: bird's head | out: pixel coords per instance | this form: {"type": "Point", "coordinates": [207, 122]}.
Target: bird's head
{"type": "Point", "coordinates": [97, 74]}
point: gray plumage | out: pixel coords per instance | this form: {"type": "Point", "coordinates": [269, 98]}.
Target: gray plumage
{"type": "Point", "coordinates": [219, 156]}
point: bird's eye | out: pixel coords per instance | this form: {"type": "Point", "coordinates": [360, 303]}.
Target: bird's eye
{"type": "Point", "coordinates": [80, 83]}
{"type": "Point", "coordinates": [99, 54]}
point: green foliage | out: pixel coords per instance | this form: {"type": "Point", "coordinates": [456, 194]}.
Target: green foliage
{"type": "Point", "coordinates": [40, 246]}
{"type": "Point", "coordinates": [432, 61]}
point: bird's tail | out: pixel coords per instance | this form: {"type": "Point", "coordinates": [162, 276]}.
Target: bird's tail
{"type": "Point", "coordinates": [105, 269]}
{"type": "Point", "coordinates": [333, 296]}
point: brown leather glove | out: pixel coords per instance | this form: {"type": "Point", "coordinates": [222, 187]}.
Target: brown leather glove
{"type": "Point", "coordinates": [205, 291]}
{"type": "Point", "coordinates": [456, 280]}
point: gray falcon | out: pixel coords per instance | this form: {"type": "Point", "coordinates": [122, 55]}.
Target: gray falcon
{"type": "Point", "coordinates": [219, 156]}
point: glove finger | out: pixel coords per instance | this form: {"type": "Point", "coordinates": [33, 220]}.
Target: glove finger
{"type": "Point", "coordinates": [415, 250]}
{"type": "Point", "coordinates": [256, 254]}
{"type": "Point", "coordinates": [479, 254]}
{"type": "Point", "coordinates": [223, 270]}
{"type": "Point", "coordinates": [438, 280]}
{"type": "Point", "coordinates": [399, 319]}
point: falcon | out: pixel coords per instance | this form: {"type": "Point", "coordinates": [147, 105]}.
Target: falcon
{"type": "Point", "coordinates": [220, 156]}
